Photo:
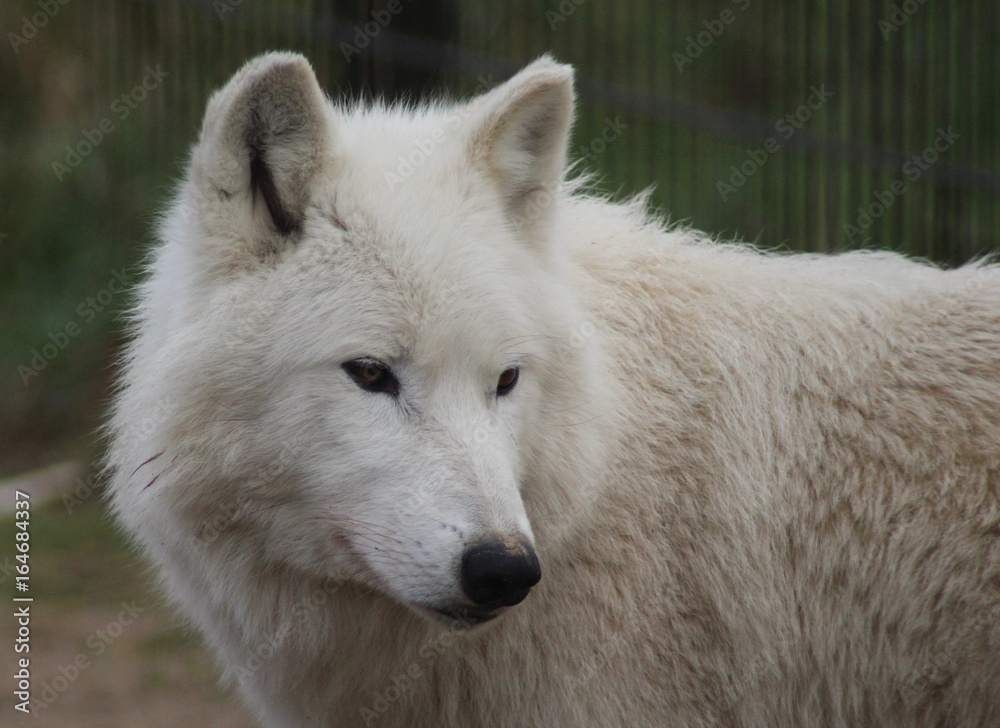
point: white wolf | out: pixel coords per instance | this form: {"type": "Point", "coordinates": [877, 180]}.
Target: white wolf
{"type": "Point", "coordinates": [393, 390]}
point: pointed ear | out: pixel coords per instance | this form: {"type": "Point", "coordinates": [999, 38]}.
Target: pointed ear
{"type": "Point", "coordinates": [522, 135]}
{"type": "Point", "coordinates": [263, 141]}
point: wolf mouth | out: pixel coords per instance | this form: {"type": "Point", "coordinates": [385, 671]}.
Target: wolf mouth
{"type": "Point", "coordinates": [461, 617]}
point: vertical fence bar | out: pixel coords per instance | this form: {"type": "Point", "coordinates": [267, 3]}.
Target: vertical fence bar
{"type": "Point", "coordinates": [820, 228]}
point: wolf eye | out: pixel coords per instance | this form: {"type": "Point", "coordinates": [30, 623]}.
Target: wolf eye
{"type": "Point", "coordinates": [373, 376]}
{"type": "Point", "coordinates": [507, 381]}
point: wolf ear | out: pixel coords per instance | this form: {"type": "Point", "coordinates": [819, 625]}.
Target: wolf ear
{"type": "Point", "coordinates": [522, 137]}
{"type": "Point", "coordinates": [262, 143]}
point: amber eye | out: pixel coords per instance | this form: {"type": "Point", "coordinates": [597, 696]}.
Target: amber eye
{"type": "Point", "coordinates": [372, 375]}
{"type": "Point", "coordinates": [507, 381]}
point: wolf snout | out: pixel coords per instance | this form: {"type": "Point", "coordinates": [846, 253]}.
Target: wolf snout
{"type": "Point", "coordinates": [499, 573]}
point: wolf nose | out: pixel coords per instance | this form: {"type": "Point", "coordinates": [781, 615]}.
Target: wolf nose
{"type": "Point", "coordinates": [499, 574]}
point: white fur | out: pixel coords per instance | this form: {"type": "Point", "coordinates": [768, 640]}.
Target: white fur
{"type": "Point", "coordinates": [763, 488]}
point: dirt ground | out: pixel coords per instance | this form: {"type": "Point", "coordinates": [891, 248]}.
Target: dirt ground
{"type": "Point", "coordinates": [151, 676]}
{"type": "Point", "coordinates": [105, 651]}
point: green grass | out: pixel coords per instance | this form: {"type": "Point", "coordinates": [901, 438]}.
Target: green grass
{"type": "Point", "coordinates": [79, 557]}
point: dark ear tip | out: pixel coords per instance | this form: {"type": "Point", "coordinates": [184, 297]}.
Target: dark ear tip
{"type": "Point", "coordinates": [279, 63]}
{"type": "Point", "coordinates": [270, 80]}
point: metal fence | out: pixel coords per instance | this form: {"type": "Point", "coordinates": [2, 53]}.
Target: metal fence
{"type": "Point", "coordinates": [807, 125]}
{"type": "Point", "coordinates": [816, 125]}
{"type": "Point", "coordinates": [812, 125]}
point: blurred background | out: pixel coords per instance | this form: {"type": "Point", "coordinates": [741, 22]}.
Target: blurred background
{"type": "Point", "coordinates": [819, 126]}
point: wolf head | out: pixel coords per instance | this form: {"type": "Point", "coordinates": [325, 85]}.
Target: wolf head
{"type": "Point", "coordinates": [361, 325]}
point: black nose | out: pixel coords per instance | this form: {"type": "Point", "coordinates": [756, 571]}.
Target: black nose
{"type": "Point", "coordinates": [499, 574]}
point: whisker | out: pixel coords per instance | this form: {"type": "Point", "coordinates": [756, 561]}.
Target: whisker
{"type": "Point", "coordinates": [529, 355]}
{"type": "Point", "coordinates": [562, 411]}
{"type": "Point", "coordinates": [520, 340]}
{"type": "Point", "coordinates": [269, 506]}
{"type": "Point", "coordinates": [378, 530]}
{"type": "Point", "coordinates": [581, 422]}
